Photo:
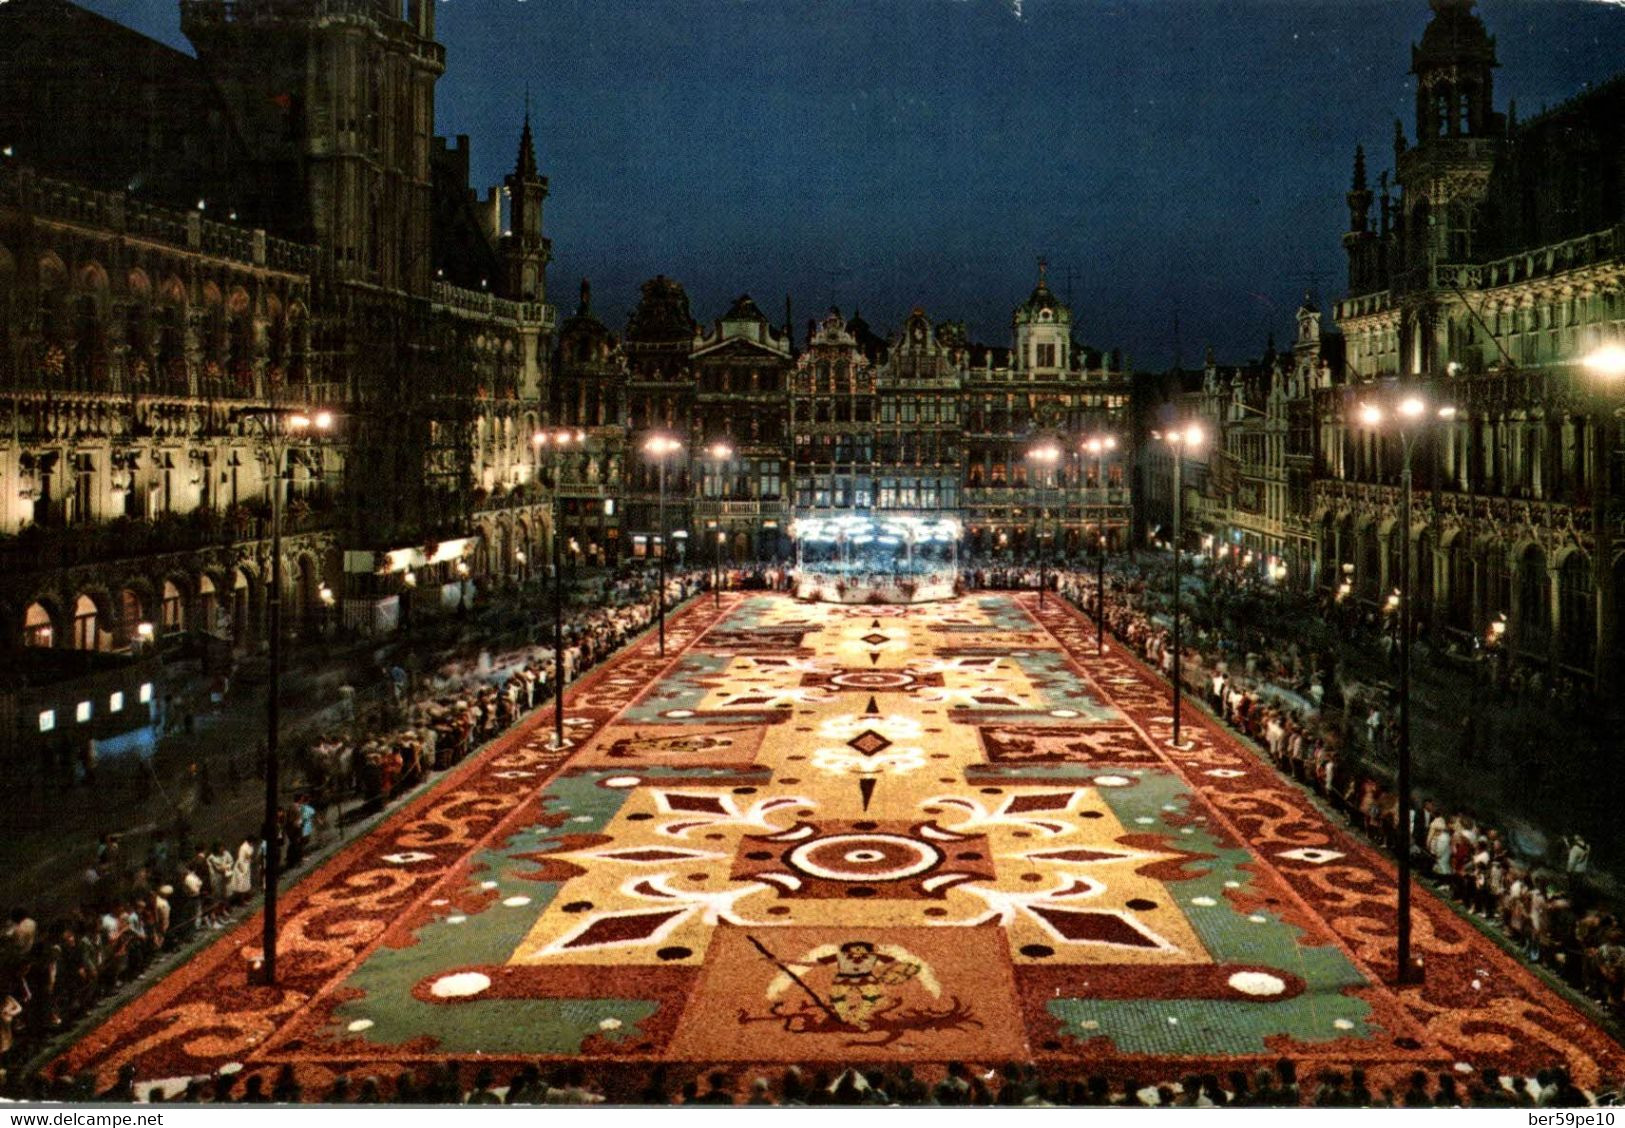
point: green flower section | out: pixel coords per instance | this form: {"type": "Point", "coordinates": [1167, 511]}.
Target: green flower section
{"type": "Point", "coordinates": [1159, 803]}
{"type": "Point", "coordinates": [1004, 613]}
{"type": "Point", "coordinates": [1060, 688]}
{"type": "Point", "coordinates": [680, 688]}
{"type": "Point", "coordinates": [388, 1014]}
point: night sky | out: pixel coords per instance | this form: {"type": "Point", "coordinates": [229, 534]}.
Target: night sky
{"type": "Point", "coordinates": [1167, 156]}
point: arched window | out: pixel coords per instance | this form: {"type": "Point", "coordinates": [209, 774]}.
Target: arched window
{"type": "Point", "coordinates": [1577, 605]}
{"type": "Point", "coordinates": [1460, 568]}
{"type": "Point", "coordinates": [1422, 575]}
{"type": "Point", "coordinates": [206, 602]}
{"type": "Point", "coordinates": [173, 614]}
{"type": "Point", "coordinates": [84, 624]}
{"type": "Point", "coordinates": [37, 629]}
{"type": "Point", "coordinates": [1534, 601]}
{"type": "Point", "coordinates": [129, 610]}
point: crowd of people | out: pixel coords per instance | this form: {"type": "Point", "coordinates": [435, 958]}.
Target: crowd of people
{"type": "Point", "coordinates": [1275, 688]}
{"type": "Point", "coordinates": [955, 1085]}
{"type": "Point", "coordinates": [131, 910]}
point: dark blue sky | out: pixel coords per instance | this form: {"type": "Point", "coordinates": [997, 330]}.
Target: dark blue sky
{"type": "Point", "coordinates": [1183, 156]}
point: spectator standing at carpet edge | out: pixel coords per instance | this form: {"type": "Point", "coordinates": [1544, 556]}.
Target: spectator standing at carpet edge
{"type": "Point", "coordinates": [240, 878]}
{"type": "Point", "coordinates": [1579, 854]}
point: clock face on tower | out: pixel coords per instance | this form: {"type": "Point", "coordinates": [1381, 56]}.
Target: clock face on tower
{"type": "Point", "coordinates": [919, 332]}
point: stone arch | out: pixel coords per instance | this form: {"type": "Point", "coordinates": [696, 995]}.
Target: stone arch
{"type": "Point", "coordinates": [213, 338]}
{"type": "Point", "coordinates": [1422, 577]}
{"type": "Point", "coordinates": [502, 554]}
{"type": "Point", "coordinates": [1327, 522]}
{"type": "Point", "coordinates": [1368, 560]}
{"type": "Point", "coordinates": [54, 316]}
{"type": "Point", "coordinates": [206, 606]}
{"type": "Point", "coordinates": [523, 543]}
{"type": "Point", "coordinates": [130, 609]}
{"type": "Point", "coordinates": [170, 342]}
{"type": "Point", "coordinates": [91, 281]}
{"type": "Point", "coordinates": [239, 604]}
{"type": "Point", "coordinates": [172, 609]}
{"type": "Point", "coordinates": [1458, 580]}
{"type": "Point", "coordinates": [240, 345]}
{"type": "Point", "coordinates": [1534, 597]}
{"type": "Point", "coordinates": [1577, 607]}
{"type": "Point", "coordinates": [307, 588]}
{"type": "Point", "coordinates": [92, 621]}
{"type": "Point", "coordinates": [138, 285]}
{"type": "Point", "coordinates": [53, 272]}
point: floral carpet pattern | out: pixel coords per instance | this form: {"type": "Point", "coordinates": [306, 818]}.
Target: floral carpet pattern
{"type": "Point", "coordinates": [821, 833]}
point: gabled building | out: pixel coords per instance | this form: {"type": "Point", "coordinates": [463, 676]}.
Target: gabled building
{"type": "Point", "coordinates": [918, 445]}
{"type": "Point", "coordinates": [741, 369]}
{"type": "Point", "coordinates": [589, 397]}
{"type": "Point", "coordinates": [834, 411]}
{"type": "Point", "coordinates": [1047, 389]}
{"type": "Point", "coordinates": [660, 403]}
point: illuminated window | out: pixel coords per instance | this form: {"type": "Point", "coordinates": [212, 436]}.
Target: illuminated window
{"type": "Point", "coordinates": [146, 692]}
{"type": "Point", "coordinates": [81, 712]}
{"type": "Point", "coordinates": [37, 627]}
{"type": "Point", "coordinates": [115, 703]}
{"type": "Point", "coordinates": [47, 720]}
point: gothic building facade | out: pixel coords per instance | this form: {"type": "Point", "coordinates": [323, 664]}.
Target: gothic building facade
{"type": "Point", "coordinates": [231, 285]}
{"type": "Point", "coordinates": [1483, 273]}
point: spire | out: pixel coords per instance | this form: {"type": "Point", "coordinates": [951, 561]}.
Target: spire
{"type": "Point", "coordinates": [586, 299]}
{"type": "Point", "coordinates": [525, 167]}
{"type": "Point", "coordinates": [1359, 197]}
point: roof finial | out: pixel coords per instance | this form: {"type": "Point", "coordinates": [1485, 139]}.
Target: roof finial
{"type": "Point", "coordinates": [525, 165]}
{"type": "Point", "coordinates": [1043, 268]}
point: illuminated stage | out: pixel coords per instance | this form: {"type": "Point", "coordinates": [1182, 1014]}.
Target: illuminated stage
{"type": "Point", "coordinates": [857, 559]}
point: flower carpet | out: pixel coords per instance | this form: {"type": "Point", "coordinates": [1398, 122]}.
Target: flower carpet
{"type": "Point", "coordinates": [814, 833]}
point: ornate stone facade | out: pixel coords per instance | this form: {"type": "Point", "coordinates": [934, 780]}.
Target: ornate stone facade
{"type": "Point", "coordinates": [1484, 284]}
{"type": "Point", "coordinates": [249, 233]}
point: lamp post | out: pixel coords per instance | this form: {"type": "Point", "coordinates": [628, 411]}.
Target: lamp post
{"type": "Point", "coordinates": [276, 427]}
{"type": "Point", "coordinates": [1181, 440]}
{"type": "Point", "coordinates": [1410, 415]}
{"type": "Point", "coordinates": [1045, 456]}
{"type": "Point", "coordinates": [716, 558]}
{"type": "Point", "coordinates": [720, 453]}
{"type": "Point", "coordinates": [559, 441]}
{"type": "Point", "coordinates": [1098, 445]}
{"type": "Point", "coordinates": [658, 447]}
